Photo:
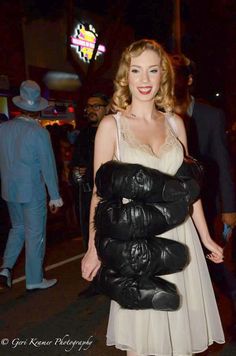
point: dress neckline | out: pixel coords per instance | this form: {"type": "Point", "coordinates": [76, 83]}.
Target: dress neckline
{"type": "Point", "coordinates": [129, 137]}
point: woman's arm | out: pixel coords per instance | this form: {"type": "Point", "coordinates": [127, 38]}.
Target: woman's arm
{"type": "Point", "coordinates": [216, 254]}
{"type": "Point", "coordinates": [104, 150]}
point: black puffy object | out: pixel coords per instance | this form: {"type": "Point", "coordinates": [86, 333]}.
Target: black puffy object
{"type": "Point", "coordinates": [143, 257]}
{"type": "Point", "coordinates": [133, 181]}
{"type": "Point", "coordinates": [132, 255]}
{"type": "Point", "coordinates": [191, 169]}
{"type": "Point", "coordinates": [138, 293]}
{"type": "Point", "coordinates": [136, 219]}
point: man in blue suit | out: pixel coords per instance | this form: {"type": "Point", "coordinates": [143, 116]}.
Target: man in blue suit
{"type": "Point", "coordinates": [27, 164]}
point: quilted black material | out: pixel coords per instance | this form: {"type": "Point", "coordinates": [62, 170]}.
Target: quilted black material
{"type": "Point", "coordinates": [139, 293]}
{"type": "Point", "coordinates": [115, 179]}
{"type": "Point", "coordinates": [136, 219]}
{"type": "Point", "coordinates": [133, 256]}
{"type": "Point", "coordinates": [143, 257]}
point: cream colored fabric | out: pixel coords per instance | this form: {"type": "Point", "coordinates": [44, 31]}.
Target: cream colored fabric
{"type": "Point", "coordinates": [197, 323]}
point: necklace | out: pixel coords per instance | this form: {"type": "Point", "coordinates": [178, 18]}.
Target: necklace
{"type": "Point", "coordinates": [156, 117]}
{"type": "Point", "coordinates": [154, 114]}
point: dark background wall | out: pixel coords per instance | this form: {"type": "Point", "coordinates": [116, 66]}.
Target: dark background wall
{"type": "Point", "coordinates": [208, 37]}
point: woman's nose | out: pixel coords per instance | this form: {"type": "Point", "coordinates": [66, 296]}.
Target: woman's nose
{"type": "Point", "coordinates": [145, 76]}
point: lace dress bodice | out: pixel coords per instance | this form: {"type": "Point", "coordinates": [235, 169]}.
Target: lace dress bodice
{"type": "Point", "coordinates": [130, 150]}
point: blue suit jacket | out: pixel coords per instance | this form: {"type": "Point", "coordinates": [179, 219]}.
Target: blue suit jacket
{"type": "Point", "coordinates": [207, 142]}
{"type": "Point", "coordinates": [26, 162]}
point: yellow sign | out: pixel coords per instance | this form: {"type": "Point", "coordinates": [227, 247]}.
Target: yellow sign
{"type": "Point", "coordinates": [83, 41]}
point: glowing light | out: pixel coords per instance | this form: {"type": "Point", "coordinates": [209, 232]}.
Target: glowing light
{"type": "Point", "coordinates": [84, 40]}
{"type": "Point", "coordinates": [62, 81]}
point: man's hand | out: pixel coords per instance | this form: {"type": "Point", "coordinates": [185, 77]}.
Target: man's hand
{"type": "Point", "coordinates": [82, 170]}
{"type": "Point", "coordinates": [53, 209]}
{"type": "Point", "coordinates": [229, 219]}
{"type": "Point", "coordinates": [55, 204]}
{"type": "Point", "coordinates": [78, 173]}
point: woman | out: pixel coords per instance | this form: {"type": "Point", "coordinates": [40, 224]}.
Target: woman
{"type": "Point", "coordinates": [144, 131]}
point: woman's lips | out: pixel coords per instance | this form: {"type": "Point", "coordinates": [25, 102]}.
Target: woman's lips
{"type": "Point", "coordinates": [145, 90]}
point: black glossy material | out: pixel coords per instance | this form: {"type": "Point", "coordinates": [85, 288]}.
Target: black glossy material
{"type": "Point", "coordinates": [133, 256]}
{"type": "Point", "coordinates": [134, 293]}
{"type": "Point", "coordinates": [155, 256]}
{"type": "Point", "coordinates": [133, 181]}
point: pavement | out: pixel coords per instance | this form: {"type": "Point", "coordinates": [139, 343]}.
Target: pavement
{"type": "Point", "coordinates": [54, 321]}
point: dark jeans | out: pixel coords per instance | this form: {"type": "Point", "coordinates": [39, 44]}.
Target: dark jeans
{"type": "Point", "coordinates": [223, 278]}
{"type": "Point", "coordinates": [85, 195]}
{"type": "Point", "coordinates": [220, 274]}
{"type": "Point", "coordinates": [233, 237]}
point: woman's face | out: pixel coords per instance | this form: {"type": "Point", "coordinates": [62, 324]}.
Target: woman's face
{"type": "Point", "coordinates": [144, 75]}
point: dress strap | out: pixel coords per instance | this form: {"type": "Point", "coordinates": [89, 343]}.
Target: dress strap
{"type": "Point", "coordinates": [118, 135]}
{"type": "Point", "coordinates": [170, 118]}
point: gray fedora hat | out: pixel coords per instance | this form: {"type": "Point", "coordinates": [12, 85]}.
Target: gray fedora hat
{"type": "Point", "coordinates": [30, 97]}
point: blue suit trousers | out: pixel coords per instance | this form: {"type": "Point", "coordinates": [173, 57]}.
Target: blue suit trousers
{"type": "Point", "coordinates": [28, 227]}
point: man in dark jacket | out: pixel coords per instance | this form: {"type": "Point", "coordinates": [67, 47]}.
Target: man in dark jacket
{"type": "Point", "coordinates": [205, 126]}
{"type": "Point", "coordinates": [82, 160]}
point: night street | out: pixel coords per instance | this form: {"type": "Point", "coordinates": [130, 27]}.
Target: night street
{"type": "Point", "coordinates": [57, 322]}
{"type": "Point", "coordinates": [159, 76]}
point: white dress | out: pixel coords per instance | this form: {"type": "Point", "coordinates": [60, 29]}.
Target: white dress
{"type": "Point", "coordinates": [196, 324]}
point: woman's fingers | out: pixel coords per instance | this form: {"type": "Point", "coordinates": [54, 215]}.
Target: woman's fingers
{"type": "Point", "coordinates": [215, 257]}
{"type": "Point", "coordinates": [216, 252]}
{"type": "Point", "coordinates": [90, 276]}
{"type": "Point", "coordinates": [93, 273]}
{"type": "Point", "coordinates": [89, 266]}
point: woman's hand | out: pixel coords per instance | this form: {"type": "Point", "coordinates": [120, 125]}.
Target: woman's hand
{"type": "Point", "coordinates": [216, 254]}
{"type": "Point", "coordinates": [90, 264]}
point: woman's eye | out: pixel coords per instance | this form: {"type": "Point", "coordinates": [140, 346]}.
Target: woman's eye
{"type": "Point", "coordinates": [154, 70]}
{"type": "Point", "coordinates": [134, 70]}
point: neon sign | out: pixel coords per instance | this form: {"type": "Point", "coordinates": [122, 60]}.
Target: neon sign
{"type": "Point", "coordinates": [83, 41]}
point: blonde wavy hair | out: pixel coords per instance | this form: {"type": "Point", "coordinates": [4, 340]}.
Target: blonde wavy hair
{"type": "Point", "coordinates": [122, 96]}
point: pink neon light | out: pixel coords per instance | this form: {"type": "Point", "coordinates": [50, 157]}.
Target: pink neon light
{"type": "Point", "coordinates": [86, 44]}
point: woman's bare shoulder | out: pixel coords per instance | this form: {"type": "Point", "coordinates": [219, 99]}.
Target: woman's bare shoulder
{"type": "Point", "coordinates": [179, 122]}
{"type": "Point", "coordinates": [105, 141]}
{"type": "Point", "coordinates": [108, 122]}
{"type": "Point", "coordinates": [175, 122]}
{"type": "Point", "coordinates": [107, 126]}
{"type": "Point", "coordinates": [178, 119]}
